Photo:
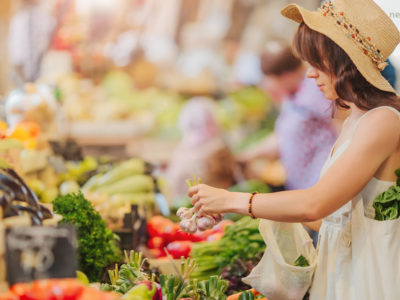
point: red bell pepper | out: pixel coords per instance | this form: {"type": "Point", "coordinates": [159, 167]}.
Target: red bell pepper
{"type": "Point", "coordinates": [179, 248]}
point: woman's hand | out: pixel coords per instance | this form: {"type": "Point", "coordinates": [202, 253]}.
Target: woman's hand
{"type": "Point", "coordinates": [210, 200]}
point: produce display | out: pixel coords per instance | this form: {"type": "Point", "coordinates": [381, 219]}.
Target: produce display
{"type": "Point", "coordinates": [175, 287]}
{"type": "Point", "coordinates": [125, 184]}
{"type": "Point", "coordinates": [165, 234]}
{"type": "Point", "coordinates": [60, 289]}
{"type": "Point", "coordinates": [133, 282]}
{"type": "Point", "coordinates": [387, 204]}
{"type": "Point", "coordinates": [97, 246]}
{"type": "Point", "coordinates": [241, 241]}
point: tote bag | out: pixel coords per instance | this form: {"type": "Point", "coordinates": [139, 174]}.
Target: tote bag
{"type": "Point", "coordinates": [275, 276]}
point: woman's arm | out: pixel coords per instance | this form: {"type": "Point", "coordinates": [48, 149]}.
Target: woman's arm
{"type": "Point", "coordinates": [342, 182]}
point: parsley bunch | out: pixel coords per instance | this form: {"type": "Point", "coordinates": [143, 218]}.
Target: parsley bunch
{"type": "Point", "coordinates": [97, 246]}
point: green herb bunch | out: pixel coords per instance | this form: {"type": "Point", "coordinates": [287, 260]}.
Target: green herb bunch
{"type": "Point", "coordinates": [97, 246]}
{"type": "Point", "coordinates": [241, 241]}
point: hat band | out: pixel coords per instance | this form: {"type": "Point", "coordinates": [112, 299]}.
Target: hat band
{"type": "Point", "coordinates": [364, 43]}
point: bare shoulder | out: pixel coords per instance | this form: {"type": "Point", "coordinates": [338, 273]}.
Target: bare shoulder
{"type": "Point", "coordinates": [383, 118]}
{"type": "Point", "coordinates": [380, 126]}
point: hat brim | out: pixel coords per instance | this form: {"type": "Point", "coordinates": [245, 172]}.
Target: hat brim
{"type": "Point", "coordinates": [327, 26]}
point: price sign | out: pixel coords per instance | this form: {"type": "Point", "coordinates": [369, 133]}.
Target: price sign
{"type": "Point", "coordinates": [39, 253]}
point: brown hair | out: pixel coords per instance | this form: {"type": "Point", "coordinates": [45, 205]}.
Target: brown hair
{"type": "Point", "coordinates": [279, 59]}
{"type": "Point", "coordinates": [324, 54]}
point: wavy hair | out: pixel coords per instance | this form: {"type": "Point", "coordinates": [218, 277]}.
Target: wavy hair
{"type": "Point", "coordinates": [325, 55]}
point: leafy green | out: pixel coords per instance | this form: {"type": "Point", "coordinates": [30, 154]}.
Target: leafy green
{"type": "Point", "coordinates": [387, 204]}
{"type": "Point", "coordinates": [242, 240]}
{"type": "Point", "coordinates": [301, 261]}
{"type": "Point", "coordinates": [97, 245]}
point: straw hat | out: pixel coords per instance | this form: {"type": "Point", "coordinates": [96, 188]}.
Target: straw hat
{"type": "Point", "coordinates": [360, 27]}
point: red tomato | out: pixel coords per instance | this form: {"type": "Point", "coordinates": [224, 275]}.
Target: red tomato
{"type": "Point", "coordinates": [179, 248]}
{"type": "Point", "coordinates": [71, 288]}
{"type": "Point", "coordinates": [23, 291]}
{"type": "Point", "coordinates": [170, 233]}
{"type": "Point", "coordinates": [156, 226]}
{"type": "Point", "coordinates": [155, 243]}
{"type": "Point", "coordinates": [9, 296]}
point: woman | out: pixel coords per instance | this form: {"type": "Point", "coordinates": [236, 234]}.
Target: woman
{"type": "Point", "coordinates": [346, 44]}
{"type": "Point", "coordinates": [201, 151]}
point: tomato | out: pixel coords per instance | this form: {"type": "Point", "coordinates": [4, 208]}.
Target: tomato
{"type": "Point", "coordinates": [170, 232]}
{"type": "Point", "coordinates": [179, 248]}
{"type": "Point", "coordinates": [158, 226]}
{"type": "Point", "coordinates": [9, 296]}
{"type": "Point", "coordinates": [69, 288]}
{"type": "Point", "coordinates": [23, 291]}
{"type": "Point", "coordinates": [155, 243]}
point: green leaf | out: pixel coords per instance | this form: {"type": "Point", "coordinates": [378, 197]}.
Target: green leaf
{"type": "Point", "coordinates": [301, 261]}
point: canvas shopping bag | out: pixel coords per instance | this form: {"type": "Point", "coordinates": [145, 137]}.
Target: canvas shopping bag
{"type": "Point", "coordinates": [275, 276]}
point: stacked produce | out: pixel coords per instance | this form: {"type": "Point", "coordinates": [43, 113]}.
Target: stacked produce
{"type": "Point", "coordinates": [163, 233]}
{"type": "Point", "coordinates": [113, 192]}
{"type": "Point", "coordinates": [240, 244]}
{"type": "Point", "coordinates": [60, 289]}
{"type": "Point", "coordinates": [97, 246]}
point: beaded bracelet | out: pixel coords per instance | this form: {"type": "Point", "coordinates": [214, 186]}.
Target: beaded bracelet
{"type": "Point", "coordinates": [251, 205]}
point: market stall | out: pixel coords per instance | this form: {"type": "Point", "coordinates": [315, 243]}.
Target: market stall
{"type": "Point", "coordinates": [88, 206]}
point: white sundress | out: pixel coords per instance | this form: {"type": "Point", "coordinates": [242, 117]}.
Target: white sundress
{"type": "Point", "coordinates": [334, 274]}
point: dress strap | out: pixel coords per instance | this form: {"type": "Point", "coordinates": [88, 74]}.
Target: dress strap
{"type": "Point", "coordinates": [376, 108]}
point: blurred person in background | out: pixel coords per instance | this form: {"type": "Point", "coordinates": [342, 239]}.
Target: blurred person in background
{"type": "Point", "coordinates": [29, 38]}
{"type": "Point", "coordinates": [201, 151]}
{"type": "Point", "coordinates": [304, 132]}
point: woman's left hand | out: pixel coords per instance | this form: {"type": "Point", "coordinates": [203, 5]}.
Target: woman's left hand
{"type": "Point", "coordinates": [210, 200]}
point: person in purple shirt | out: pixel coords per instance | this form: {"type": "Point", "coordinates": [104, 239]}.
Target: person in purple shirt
{"type": "Point", "coordinates": [304, 131]}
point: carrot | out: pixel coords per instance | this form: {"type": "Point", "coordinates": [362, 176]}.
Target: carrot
{"type": "Point", "coordinates": [234, 296]}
